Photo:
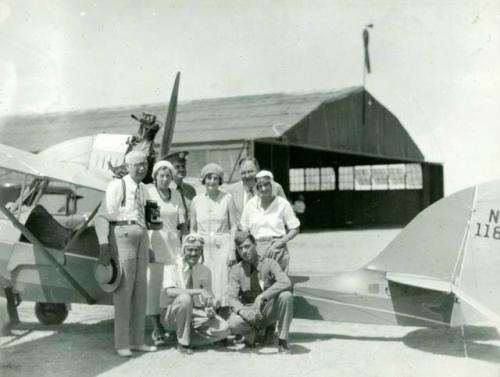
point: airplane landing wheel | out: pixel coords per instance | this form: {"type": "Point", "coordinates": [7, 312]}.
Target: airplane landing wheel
{"type": "Point", "coordinates": [50, 314]}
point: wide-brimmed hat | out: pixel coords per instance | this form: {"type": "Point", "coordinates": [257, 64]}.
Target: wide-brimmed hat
{"type": "Point", "coordinates": [108, 275]}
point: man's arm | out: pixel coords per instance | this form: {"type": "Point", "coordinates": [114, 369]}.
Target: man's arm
{"type": "Point", "coordinates": [282, 281]}
{"type": "Point", "coordinates": [234, 288]}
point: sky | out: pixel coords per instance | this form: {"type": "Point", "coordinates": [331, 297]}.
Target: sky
{"type": "Point", "coordinates": [434, 63]}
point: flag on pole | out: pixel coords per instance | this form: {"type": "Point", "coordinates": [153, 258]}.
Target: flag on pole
{"type": "Point", "coordinates": [366, 40]}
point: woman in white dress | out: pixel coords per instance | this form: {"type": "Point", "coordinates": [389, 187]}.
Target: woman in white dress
{"type": "Point", "coordinates": [213, 217]}
{"type": "Point", "coordinates": [165, 243]}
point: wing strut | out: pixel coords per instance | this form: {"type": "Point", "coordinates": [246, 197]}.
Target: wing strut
{"type": "Point", "coordinates": [90, 300]}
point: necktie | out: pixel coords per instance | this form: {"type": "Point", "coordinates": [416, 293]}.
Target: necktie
{"type": "Point", "coordinates": [140, 207]}
{"type": "Point", "coordinates": [250, 194]}
{"type": "Point", "coordinates": [184, 204]}
{"type": "Point", "coordinates": [189, 284]}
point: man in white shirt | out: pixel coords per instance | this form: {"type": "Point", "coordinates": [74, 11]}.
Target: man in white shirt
{"type": "Point", "coordinates": [128, 239]}
{"type": "Point", "coordinates": [187, 296]}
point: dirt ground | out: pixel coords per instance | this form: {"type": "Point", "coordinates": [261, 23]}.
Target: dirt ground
{"type": "Point", "coordinates": [83, 345]}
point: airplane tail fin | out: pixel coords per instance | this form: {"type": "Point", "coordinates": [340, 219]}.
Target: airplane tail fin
{"type": "Point", "coordinates": [457, 241]}
{"type": "Point", "coordinates": [476, 278]}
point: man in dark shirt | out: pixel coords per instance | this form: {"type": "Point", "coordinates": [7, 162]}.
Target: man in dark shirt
{"type": "Point", "coordinates": [185, 190]}
{"type": "Point", "coordinates": [259, 294]}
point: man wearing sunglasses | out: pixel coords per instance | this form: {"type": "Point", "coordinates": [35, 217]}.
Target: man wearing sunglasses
{"type": "Point", "coordinates": [188, 299]}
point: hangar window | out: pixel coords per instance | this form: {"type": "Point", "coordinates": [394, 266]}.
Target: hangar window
{"type": "Point", "coordinates": [413, 176]}
{"type": "Point", "coordinates": [327, 179]}
{"type": "Point", "coordinates": [346, 178]}
{"type": "Point", "coordinates": [380, 177]}
{"type": "Point", "coordinates": [297, 182]}
{"type": "Point", "coordinates": [362, 178]}
{"type": "Point", "coordinates": [312, 179]}
{"type": "Point", "coordinates": [397, 174]}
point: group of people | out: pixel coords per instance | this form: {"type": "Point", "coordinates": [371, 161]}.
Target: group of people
{"type": "Point", "coordinates": [217, 265]}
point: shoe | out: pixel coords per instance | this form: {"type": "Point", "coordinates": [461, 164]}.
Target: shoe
{"type": "Point", "coordinates": [171, 336]}
{"type": "Point", "coordinates": [144, 348]}
{"type": "Point", "coordinates": [185, 350]}
{"type": "Point", "coordinates": [283, 347]}
{"type": "Point", "coordinates": [158, 339]}
{"type": "Point", "coordinates": [124, 352]}
{"type": "Point", "coordinates": [249, 342]}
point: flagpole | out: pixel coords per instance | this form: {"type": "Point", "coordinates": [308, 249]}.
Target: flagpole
{"type": "Point", "coordinates": [366, 69]}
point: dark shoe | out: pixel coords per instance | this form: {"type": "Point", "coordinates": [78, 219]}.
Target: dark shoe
{"type": "Point", "coordinates": [171, 336]}
{"type": "Point", "coordinates": [283, 347]}
{"type": "Point", "coordinates": [248, 345]}
{"type": "Point", "coordinates": [185, 350]}
{"type": "Point", "coordinates": [224, 342]}
{"type": "Point", "coordinates": [158, 339]}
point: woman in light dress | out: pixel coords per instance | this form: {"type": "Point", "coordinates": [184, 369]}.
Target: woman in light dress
{"type": "Point", "coordinates": [213, 217]}
{"type": "Point", "coordinates": [165, 244]}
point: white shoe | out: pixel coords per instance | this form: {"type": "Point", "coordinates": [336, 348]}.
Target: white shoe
{"type": "Point", "coordinates": [124, 352]}
{"type": "Point", "coordinates": [144, 348]}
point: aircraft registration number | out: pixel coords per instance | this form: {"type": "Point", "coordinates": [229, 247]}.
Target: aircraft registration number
{"type": "Point", "coordinates": [490, 229]}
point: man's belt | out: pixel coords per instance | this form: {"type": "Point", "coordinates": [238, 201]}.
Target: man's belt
{"type": "Point", "coordinates": [123, 222]}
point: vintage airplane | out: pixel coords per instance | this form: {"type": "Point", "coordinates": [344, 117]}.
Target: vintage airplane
{"type": "Point", "coordinates": [48, 202]}
{"type": "Point", "coordinates": [442, 269]}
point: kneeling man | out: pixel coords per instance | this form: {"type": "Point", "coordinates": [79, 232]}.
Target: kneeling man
{"type": "Point", "coordinates": [188, 298]}
{"type": "Point", "coordinates": [259, 294]}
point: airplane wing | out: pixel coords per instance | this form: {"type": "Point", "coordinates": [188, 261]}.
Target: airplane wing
{"type": "Point", "coordinates": [13, 159]}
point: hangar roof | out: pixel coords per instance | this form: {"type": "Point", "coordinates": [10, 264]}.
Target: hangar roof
{"type": "Point", "coordinates": [268, 116]}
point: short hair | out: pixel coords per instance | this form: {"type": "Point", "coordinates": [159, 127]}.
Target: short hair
{"type": "Point", "coordinates": [241, 236]}
{"type": "Point", "coordinates": [251, 159]}
{"type": "Point", "coordinates": [134, 157]}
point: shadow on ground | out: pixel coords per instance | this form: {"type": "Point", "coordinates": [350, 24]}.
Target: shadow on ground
{"type": "Point", "coordinates": [77, 349]}
{"type": "Point", "coordinates": [88, 347]}
{"type": "Point", "coordinates": [441, 341]}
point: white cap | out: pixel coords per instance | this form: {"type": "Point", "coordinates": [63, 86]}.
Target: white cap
{"type": "Point", "coordinates": [265, 173]}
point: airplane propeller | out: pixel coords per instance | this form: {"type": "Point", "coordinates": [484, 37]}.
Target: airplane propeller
{"type": "Point", "coordinates": [168, 132]}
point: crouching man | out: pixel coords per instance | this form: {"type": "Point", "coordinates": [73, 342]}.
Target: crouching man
{"type": "Point", "coordinates": [187, 297]}
{"type": "Point", "coordinates": [259, 294]}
